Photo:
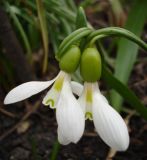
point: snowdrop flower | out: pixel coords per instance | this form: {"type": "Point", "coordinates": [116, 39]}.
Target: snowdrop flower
{"type": "Point", "coordinates": [108, 123]}
{"type": "Point", "coordinates": [69, 115]}
{"type": "Point", "coordinates": [29, 89]}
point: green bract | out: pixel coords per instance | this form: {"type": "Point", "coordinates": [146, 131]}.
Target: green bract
{"type": "Point", "coordinates": [90, 65]}
{"type": "Point", "coordinates": [70, 60]}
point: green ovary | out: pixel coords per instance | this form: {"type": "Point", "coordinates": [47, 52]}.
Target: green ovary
{"type": "Point", "coordinates": [90, 65]}
{"type": "Point", "coordinates": [70, 60]}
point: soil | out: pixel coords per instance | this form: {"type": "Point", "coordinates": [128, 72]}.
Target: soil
{"type": "Point", "coordinates": [35, 142]}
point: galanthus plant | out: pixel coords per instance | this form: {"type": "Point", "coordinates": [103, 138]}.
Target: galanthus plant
{"type": "Point", "coordinates": [78, 50]}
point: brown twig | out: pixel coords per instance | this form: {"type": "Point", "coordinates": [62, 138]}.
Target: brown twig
{"type": "Point", "coordinates": [9, 114]}
{"type": "Point", "coordinates": [26, 116]}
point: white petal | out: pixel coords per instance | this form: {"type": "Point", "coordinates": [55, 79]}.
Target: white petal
{"type": "Point", "coordinates": [51, 98]}
{"type": "Point", "coordinates": [62, 140]}
{"type": "Point", "coordinates": [26, 90]}
{"type": "Point", "coordinates": [53, 94]}
{"type": "Point", "coordinates": [82, 102]}
{"type": "Point", "coordinates": [77, 88]}
{"type": "Point", "coordinates": [85, 100]}
{"type": "Point", "coordinates": [96, 90]}
{"type": "Point", "coordinates": [95, 87]}
{"type": "Point", "coordinates": [86, 107]}
{"type": "Point", "coordinates": [70, 117]}
{"type": "Point", "coordinates": [109, 124]}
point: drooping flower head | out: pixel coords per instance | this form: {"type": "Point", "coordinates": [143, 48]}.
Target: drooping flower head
{"type": "Point", "coordinates": [70, 117]}
{"type": "Point", "coordinates": [108, 123]}
{"type": "Point", "coordinates": [70, 113]}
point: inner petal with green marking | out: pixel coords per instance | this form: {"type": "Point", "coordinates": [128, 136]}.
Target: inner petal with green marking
{"type": "Point", "coordinates": [89, 92]}
{"type": "Point", "coordinates": [58, 83]}
{"type": "Point", "coordinates": [53, 94]}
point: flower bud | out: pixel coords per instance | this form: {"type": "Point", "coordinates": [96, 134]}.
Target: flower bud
{"type": "Point", "coordinates": [70, 60]}
{"type": "Point", "coordinates": [90, 65]}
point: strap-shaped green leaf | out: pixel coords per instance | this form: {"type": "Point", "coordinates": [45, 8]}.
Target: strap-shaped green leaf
{"type": "Point", "coordinates": [124, 91]}
{"type": "Point", "coordinates": [20, 29]}
{"type": "Point", "coordinates": [73, 34]}
{"type": "Point", "coordinates": [127, 51]}
{"type": "Point", "coordinates": [120, 32]}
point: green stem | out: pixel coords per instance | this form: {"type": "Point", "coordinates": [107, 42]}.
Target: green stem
{"type": "Point", "coordinates": [72, 38]}
{"type": "Point", "coordinates": [55, 150]}
{"type": "Point", "coordinates": [93, 40]}
{"type": "Point", "coordinates": [110, 61]}
{"type": "Point", "coordinates": [116, 31]}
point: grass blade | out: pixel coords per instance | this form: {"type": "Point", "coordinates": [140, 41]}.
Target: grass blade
{"type": "Point", "coordinates": [124, 91]}
{"type": "Point", "coordinates": [21, 31]}
{"type": "Point", "coordinates": [127, 51]}
{"type": "Point", "coordinates": [55, 150]}
{"type": "Point", "coordinates": [43, 26]}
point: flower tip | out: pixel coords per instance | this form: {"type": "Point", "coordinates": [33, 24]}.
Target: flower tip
{"type": "Point", "coordinates": [61, 139]}
{"type": "Point", "coordinates": [11, 97]}
{"type": "Point", "coordinates": [121, 143]}
{"type": "Point", "coordinates": [8, 100]}
{"type": "Point", "coordinates": [124, 146]}
{"type": "Point", "coordinates": [65, 141]}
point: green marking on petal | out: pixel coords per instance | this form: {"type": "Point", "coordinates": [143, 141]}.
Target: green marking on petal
{"type": "Point", "coordinates": [89, 95]}
{"type": "Point", "coordinates": [50, 102]}
{"type": "Point", "coordinates": [58, 83]}
{"type": "Point", "coordinates": [88, 115]}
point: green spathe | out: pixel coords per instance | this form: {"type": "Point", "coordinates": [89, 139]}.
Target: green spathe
{"type": "Point", "coordinates": [90, 65]}
{"type": "Point", "coordinates": [70, 60]}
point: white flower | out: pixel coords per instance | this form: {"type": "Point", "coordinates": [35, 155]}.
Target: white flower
{"type": "Point", "coordinates": [108, 123]}
{"type": "Point", "coordinates": [70, 117]}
